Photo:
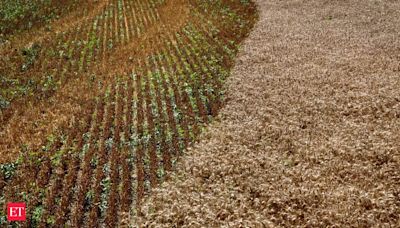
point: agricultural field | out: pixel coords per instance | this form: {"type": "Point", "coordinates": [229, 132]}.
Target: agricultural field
{"type": "Point", "coordinates": [100, 98]}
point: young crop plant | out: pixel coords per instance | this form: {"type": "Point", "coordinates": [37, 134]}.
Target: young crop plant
{"type": "Point", "coordinates": [148, 133]}
{"type": "Point", "coordinates": [160, 124]}
{"type": "Point", "coordinates": [170, 98]}
{"type": "Point", "coordinates": [8, 170]}
{"type": "Point", "coordinates": [30, 54]}
{"type": "Point", "coordinates": [181, 108]}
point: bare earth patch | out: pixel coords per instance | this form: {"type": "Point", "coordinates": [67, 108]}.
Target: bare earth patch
{"type": "Point", "coordinates": [310, 134]}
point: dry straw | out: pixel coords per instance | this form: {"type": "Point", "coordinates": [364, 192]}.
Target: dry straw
{"type": "Point", "coordinates": [310, 135]}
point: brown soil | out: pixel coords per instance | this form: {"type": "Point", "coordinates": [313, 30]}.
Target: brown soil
{"type": "Point", "coordinates": [310, 133]}
{"type": "Point", "coordinates": [95, 146]}
{"type": "Point", "coordinates": [34, 121]}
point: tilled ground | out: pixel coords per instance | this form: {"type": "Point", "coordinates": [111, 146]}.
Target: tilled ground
{"type": "Point", "coordinates": [310, 134]}
{"type": "Point", "coordinates": [96, 112]}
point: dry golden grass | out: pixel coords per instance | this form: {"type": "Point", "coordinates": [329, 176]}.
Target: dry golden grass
{"type": "Point", "coordinates": [310, 135]}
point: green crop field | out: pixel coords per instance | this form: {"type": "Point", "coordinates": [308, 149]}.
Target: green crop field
{"type": "Point", "coordinates": [99, 99]}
